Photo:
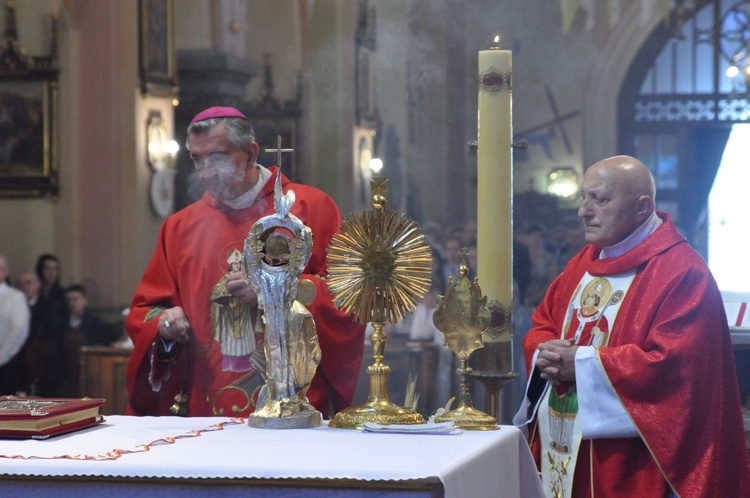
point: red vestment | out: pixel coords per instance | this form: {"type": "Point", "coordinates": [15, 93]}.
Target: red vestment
{"type": "Point", "coordinates": [670, 361]}
{"type": "Point", "coordinates": [189, 259]}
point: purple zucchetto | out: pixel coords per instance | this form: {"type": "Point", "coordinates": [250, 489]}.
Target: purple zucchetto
{"type": "Point", "coordinates": [218, 112]}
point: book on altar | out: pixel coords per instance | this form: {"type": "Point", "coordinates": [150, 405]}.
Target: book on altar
{"type": "Point", "coordinates": [40, 418]}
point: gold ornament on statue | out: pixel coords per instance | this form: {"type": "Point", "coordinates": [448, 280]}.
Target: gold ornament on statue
{"type": "Point", "coordinates": [462, 316]}
{"type": "Point", "coordinates": [379, 266]}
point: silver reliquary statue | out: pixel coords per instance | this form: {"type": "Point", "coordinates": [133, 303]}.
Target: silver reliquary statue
{"type": "Point", "coordinates": [276, 252]}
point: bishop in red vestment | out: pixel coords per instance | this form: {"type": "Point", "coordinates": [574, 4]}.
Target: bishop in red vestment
{"type": "Point", "coordinates": [175, 348]}
{"type": "Point", "coordinates": [668, 358]}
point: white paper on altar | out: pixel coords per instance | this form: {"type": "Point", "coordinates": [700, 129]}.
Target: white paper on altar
{"type": "Point", "coordinates": [477, 464]}
{"type": "Point", "coordinates": [447, 428]}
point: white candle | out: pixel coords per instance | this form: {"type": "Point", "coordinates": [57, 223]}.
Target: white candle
{"type": "Point", "coordinates": [495, 182]}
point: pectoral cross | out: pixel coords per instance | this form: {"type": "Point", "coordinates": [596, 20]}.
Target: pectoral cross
{"type": "Point", "coordinates": [278, 150]}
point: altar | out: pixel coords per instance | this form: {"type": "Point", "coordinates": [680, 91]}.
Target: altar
{"type": "Point", "coordinates": [137, 456]}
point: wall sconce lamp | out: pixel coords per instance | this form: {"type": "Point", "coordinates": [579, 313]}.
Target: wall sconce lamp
{"type": "Point", "coordinates": [161, 154]}
{"type": "Point", "coordinates": [376, 165]}
{"type": "Point", "coordinates": [162, 151]}
{"type": "Point", "coordinates": [563, 183]}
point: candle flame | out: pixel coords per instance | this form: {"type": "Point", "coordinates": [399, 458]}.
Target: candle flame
{"type": "Point", "coordinates": [496, 43]}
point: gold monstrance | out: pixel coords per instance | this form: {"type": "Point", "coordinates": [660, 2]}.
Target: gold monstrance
{"type": "Point", "coordinates": [462, 316]}
{"type": "Point", "coordinates": [379, 266]}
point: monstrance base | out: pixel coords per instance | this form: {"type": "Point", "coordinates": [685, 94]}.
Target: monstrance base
{"type": "Point", "coordinates": [381, 412]}
{"type": "Point", "coordinates": [469, 418]}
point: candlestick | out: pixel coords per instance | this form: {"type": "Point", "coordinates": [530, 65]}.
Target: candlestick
{"type": "Point", "coordinates": [495, 188]}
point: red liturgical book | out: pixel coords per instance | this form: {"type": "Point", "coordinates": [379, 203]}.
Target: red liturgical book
{"type": "Point", "coordinates": [40, 418]}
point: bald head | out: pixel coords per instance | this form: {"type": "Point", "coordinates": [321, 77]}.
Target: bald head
{"type": "Point", "coordinates": [631, 175]}
{"type": "Point", "coordinates": [617, 196]}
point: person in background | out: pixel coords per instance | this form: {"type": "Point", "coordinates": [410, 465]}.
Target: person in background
{"type": "Point", "coordinates": [422, 330]}
{"type": "Point", "coordinates": [29, 284]}
{"type": "Point", "coordinates": [451, 258]}
{"type": "Point", "coordinates": [472, 260]}
{"type": "Point", "coordinates": [42, 351]}
{"type": "Point", "coordinates": [470, 232]}
{"type": "Point", "coordinates": [437, 273]}
{"type": "Point", "coordinates": [175, 349]}
{"type": "Point", "coordinates": [542, 263]}
{"type": "Point", "coordinates": [570, 241]}
{"type": "Point", "coordinates": [50, 315]}
{"type": "Point", "coordinates": [632, 388]}
{"type": "Point", "coordinates": [52, 293]}
{"type": "Point", "coordinates": [521, 271]}
{"type": "Point", "coordinates": [14, 331]}
{"type": "Point", "coordinates": [48, 270]}
{"type": "Point", "coordinates": [84, 329]}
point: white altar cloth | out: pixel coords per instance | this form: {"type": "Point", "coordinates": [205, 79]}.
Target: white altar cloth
{"type": "Point", "coordinates": [477, 464]}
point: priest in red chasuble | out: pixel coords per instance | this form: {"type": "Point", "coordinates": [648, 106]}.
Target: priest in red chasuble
{"type": "Point", "coordinates": [633, 389]}
{"type": "Point", "coordinates": [188, 357]}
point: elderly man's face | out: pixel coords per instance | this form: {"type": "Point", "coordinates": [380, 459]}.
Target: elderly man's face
{"type": "Point", "coordinates": [608, 209]}
{"type": "Point", "coordinates": [29, 284]}
{"type": "Point", "coordinates": [221, 167]}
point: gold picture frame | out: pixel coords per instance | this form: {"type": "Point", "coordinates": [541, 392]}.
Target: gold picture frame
{"type": "Point", "coordinates": [28, 151]}
{"type": "Point", "coordinates": [156, 54]}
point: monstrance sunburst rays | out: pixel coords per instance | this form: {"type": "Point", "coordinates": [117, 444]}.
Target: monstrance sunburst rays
{"type": "Point", "coordinates": [379, 266]}
{"type": "Point", "coordinates": [379, 249]}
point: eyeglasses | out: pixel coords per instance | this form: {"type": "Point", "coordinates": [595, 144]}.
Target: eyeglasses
{"type": "Point", "coordinates": [216, 160]}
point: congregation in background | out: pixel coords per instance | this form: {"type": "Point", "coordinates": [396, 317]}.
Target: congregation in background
{"type": "Point", "coordinates": [43, 327]}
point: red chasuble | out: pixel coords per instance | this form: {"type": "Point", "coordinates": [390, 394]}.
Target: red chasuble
{"type": "Point", "coordinates": [670, 361]}
{"type": "Point", "coordinates": [189, 259]}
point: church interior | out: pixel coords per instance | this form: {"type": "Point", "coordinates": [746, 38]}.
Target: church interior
{"type": "Point", "coordinates": [361, 89]}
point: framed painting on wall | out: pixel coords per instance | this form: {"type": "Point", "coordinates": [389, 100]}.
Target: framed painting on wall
{"type": "Point", "coordinates": [157, 66]}
{"type": "Point", "coordinates": [28, 163]}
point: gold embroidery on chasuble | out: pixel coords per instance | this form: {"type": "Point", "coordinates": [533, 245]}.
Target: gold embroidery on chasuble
{"type": "Point", "coordinates": [589, 319]}
{"type": "Point", "coordinates": [239, 396]}
{"type": "Point", "coordinates": [233, 324]}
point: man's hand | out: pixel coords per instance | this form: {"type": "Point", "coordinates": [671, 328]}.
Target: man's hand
{"type": "Point", "coordinates": [173, 325]}
{"type": "Point", "coordinates": [237, 287]}
{"type": "Point", "coordinates": [556, 360]}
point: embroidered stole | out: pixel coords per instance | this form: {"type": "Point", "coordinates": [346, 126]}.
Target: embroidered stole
{"type": "Point", "coordinates": [590, 317]}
